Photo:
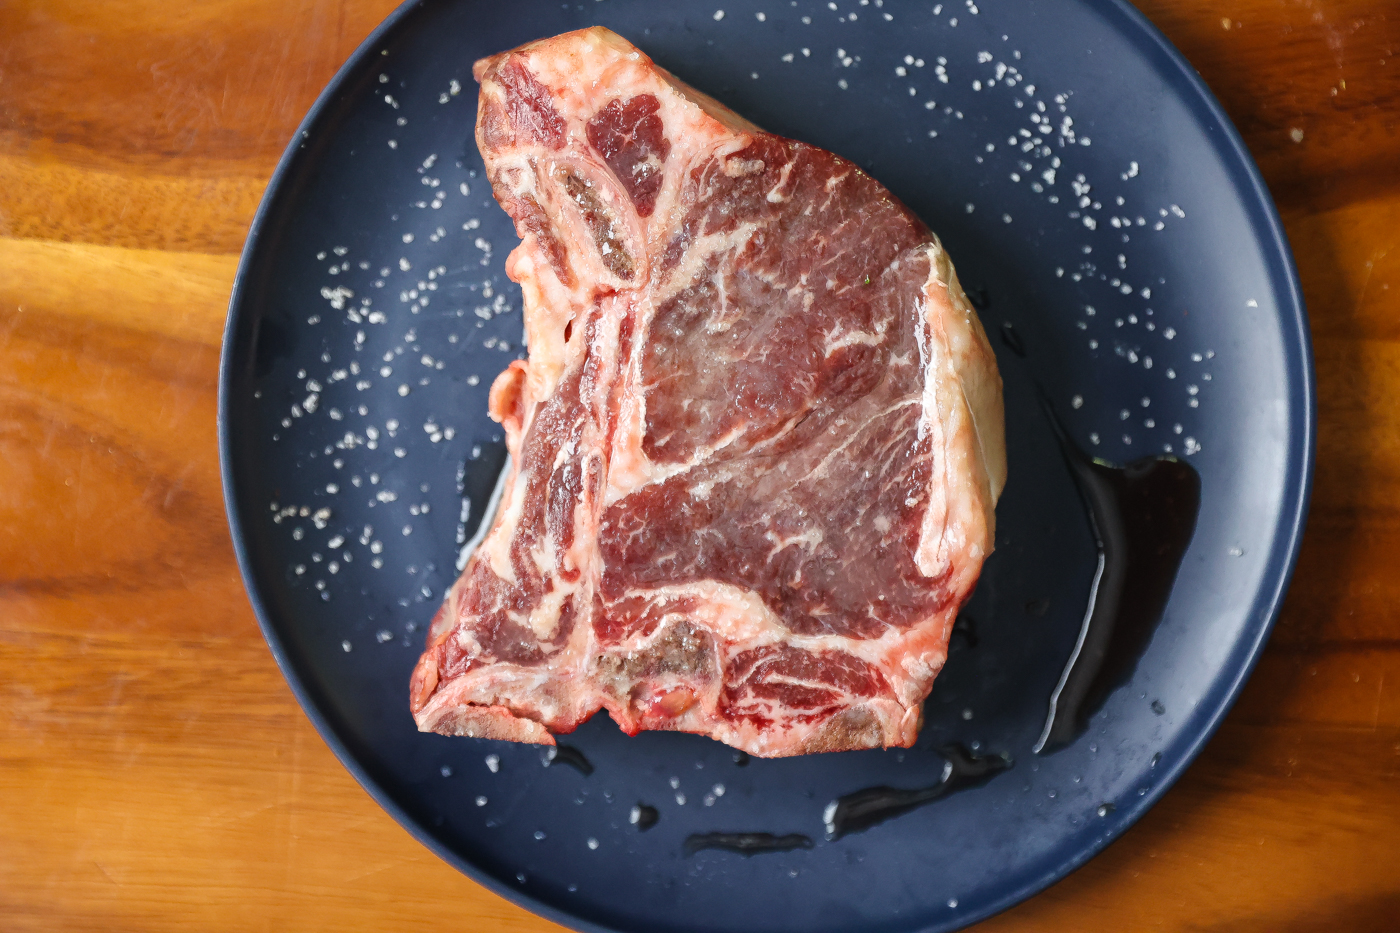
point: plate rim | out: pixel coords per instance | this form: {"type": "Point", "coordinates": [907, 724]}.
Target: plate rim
{"type": "Point", "coordinates": [1268, 600]}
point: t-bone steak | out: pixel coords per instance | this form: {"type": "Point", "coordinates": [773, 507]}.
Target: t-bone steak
{"type": "Point", "coordinates": [755, 449]}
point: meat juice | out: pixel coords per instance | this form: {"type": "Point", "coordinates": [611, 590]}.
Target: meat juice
{"type": "Point", "coordinates": [1143, 515]}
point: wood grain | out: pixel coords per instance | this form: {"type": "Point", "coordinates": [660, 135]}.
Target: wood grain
{"type": "Point", "coordinates": [156, 773]}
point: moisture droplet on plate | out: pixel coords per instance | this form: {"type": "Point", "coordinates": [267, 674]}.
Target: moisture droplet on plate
{"type": "Point", "coordinates": [643, 817]}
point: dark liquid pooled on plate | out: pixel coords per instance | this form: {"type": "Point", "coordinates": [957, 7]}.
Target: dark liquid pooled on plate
{"type": "Point", "coordinates": [1143, 515]}
{"type": "Point", "coordinates": [865, 808]}
{"type": "Point", "coordinates": [747, 843]}
{"type": "Point", "coordinates": [1012, 340]}
{"type": "Point", "coordinates": [568, 755]}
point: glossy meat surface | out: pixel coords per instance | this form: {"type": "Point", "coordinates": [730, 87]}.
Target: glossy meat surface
{"type": "Point", "coordinates": [756, 445]}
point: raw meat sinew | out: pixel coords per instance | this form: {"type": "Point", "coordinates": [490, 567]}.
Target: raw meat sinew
{"type": "Point", "coordinates": [755, 448]}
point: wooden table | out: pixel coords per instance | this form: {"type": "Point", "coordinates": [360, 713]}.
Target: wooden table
{"type": "Point", "coordinates": [155, 770]}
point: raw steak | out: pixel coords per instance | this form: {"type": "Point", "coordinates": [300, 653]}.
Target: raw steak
{"type": "Point", "coordinates": [755, 448]}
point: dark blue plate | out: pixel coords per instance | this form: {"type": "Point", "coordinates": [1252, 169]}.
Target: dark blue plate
{"type": "Point", "coordinates": [1150, 283]}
